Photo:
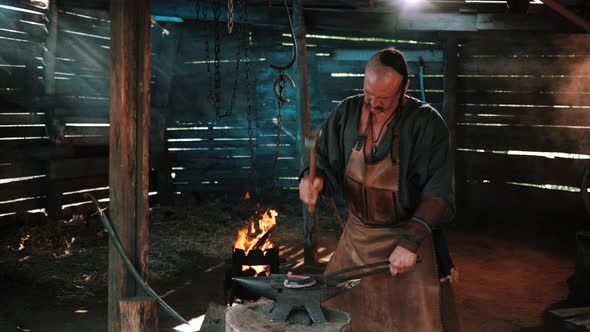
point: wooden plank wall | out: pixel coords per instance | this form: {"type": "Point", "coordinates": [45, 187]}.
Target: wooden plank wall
{"type": "Point", "coordinates": [213, 154]}
{"type": "Point", "coordinates": [523, 127]}
{"type": "Point", "coordinates": [22, 34]}
{"type": "Point", "coordinates": [82, 79]}
{"type": "Point", "coordinates": [56, 142]}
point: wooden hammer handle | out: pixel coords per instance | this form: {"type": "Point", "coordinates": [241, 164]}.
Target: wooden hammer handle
{"type": "Point", "coordinates": [312, 159]}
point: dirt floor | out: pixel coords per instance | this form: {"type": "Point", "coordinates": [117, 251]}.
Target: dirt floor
{"type": "Point", "coordinates": [53, 277]}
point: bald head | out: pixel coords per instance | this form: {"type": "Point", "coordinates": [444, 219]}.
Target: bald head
{"type": "Point", "coordinates": [388, 61]}
{"type": "Point", "coordinates": [386, 80]}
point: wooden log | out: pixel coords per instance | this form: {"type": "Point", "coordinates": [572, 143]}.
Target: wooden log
{"type": "Point", "coordinates": [254, 318]}
{"type": "Point", "coordinates": [129, 149]}
{"type": "Point", "coordinates": [139, 314]}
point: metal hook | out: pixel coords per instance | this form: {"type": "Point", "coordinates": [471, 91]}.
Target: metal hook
{"type": "Point", "coordinates": [282, 76]}
{"type": "Point", "coordinates": [287, 66]}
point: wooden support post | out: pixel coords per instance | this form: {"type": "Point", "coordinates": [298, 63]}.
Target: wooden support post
{"type": "Point", "coordinates": [450, 99]}
{"type": "Point", "coordinates": [139, 314]}
{"type": "Point", "coordinates": [303, 125]}
{"type": "Point", "coordinates": [53, 190]}
{"type": "Point", "coordinates": [129, 147]}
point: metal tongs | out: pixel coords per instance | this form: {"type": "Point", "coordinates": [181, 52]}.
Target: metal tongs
{"type": "Point", "coordinates": [337, 277]}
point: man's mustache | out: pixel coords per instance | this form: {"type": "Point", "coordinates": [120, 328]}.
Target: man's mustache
{"type": "Point", "coordinates": [376, 108]}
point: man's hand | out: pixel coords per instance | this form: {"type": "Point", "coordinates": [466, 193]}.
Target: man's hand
{"type": "Point", "coordinates": [401, 260]}
{"type": "Point", "coordinates": [309, 193]}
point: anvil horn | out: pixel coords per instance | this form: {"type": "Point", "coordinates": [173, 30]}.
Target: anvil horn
{"type": "Point", "coordinates": [260, 286]}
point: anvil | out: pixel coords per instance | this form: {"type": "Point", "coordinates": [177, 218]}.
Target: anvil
{"type": "Point", "coordinates": [286, 298]}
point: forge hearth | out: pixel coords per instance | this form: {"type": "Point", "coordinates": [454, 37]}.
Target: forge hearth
{"type": "Point", "coordinates": [255, 263]}
{"type": "Point", "coordinates": [253, 255]}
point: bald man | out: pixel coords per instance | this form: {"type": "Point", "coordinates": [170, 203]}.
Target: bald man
{"type": "Point", "coordinates": [389, 154]}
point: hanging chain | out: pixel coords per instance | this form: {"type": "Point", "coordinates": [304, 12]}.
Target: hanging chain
{"type": "Point", "coordinates": [281, 100]}
{"type": "Point", "coordinates": [214, 83]}
{"type": "Point", "coordinates": [229, 110]}
{"type": "Point", "coordinates": [230, 16]}
{"type": "Point", "coordinates": [246, 44]}
{"type": "Point", "coordinates": [218, 38]}
{"type": "Point", "coordinates": [207, 57]}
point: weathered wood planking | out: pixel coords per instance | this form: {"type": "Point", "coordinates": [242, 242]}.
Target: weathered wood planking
{"type": "Point", "coordinates": [525, 84]}
{"type": "Point", "coordinates": [21, 29]}
{"type": "Point", "coordinates": [83, 86]}
{"type": "Point", "coordinates": [525, 93]}
{"type": "Point", "coordinates": [72, 168]}
{"type": "Point", "coordinates": [22, 169]}
{"type": "Point", "coordinates": [87, 52]}
{"type": "Point", "coordinates": [494, 205]}
{"type": "Point", "coordinates": [523, 138]}
{"type": "Point", "coordinates": [542, 111]}
{"type": "Point", "coordinates": [89, 182]}
{"type": "Point", "coordinates": [528, 116]}
{"type": "Point", "coordinates": [26, 47]}
{"type": "Point", "coordinates": [23, 206]}
{"type": "Point", "coordinates": [534, 66]}
{"type": "Point", "coordinates": [38, 150]}
{"type": "Point", "coordinates": [22, 132]}
{"type": "Point", "coordinates": [330, 65]}
{"type": "Point", "coordinates": [21, 189]}
{"type": "Point", "coordinates": [17, 51]}
{"type": "Point", "coordinates": [495, 167]}
{"type": "Point", "coordinates": [86, 24]}
{"type": "Point", "coordinates": [536, 44]}
{"type": "Point", "coordinates": [524, 98]}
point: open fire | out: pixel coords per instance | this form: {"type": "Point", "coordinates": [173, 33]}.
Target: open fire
{"type": "Point", "coordinates": [255, 237]}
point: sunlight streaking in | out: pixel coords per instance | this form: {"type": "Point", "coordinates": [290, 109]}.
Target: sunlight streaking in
{"type": "Point", "coordinates": [193, 325]}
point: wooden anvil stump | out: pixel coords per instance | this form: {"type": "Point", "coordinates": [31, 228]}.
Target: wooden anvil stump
{"type": "Point", "coordinates": [255, 318]}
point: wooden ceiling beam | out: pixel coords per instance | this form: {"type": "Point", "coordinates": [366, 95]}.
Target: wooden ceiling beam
{"type": "Point", "coordinates": [568, 13]}
{"type": "Point", "coordinates": [382, 19]}
{"type": "Point", "coordinates": [387, 23]}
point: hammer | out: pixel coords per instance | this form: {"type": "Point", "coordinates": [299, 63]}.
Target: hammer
{"type": "Point", "coordinates": [310, 144]}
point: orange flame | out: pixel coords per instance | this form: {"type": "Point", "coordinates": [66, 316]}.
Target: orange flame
{"type": "Point", "coordinates": [248, 238]}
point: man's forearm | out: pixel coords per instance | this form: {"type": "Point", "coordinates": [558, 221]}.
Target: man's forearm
{"type": "Point", "coordinates": [429, 213]}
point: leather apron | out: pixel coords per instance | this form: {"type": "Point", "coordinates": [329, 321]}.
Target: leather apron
{"type": "Point", "coordinates": [408, 302]}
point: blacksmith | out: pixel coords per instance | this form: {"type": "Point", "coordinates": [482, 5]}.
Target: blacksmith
{"type": "Point", "coordinates": [389, 154]}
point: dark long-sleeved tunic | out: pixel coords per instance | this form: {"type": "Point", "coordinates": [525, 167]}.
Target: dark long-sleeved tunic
{"type": "Point", "coordinates": [424, 151]}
